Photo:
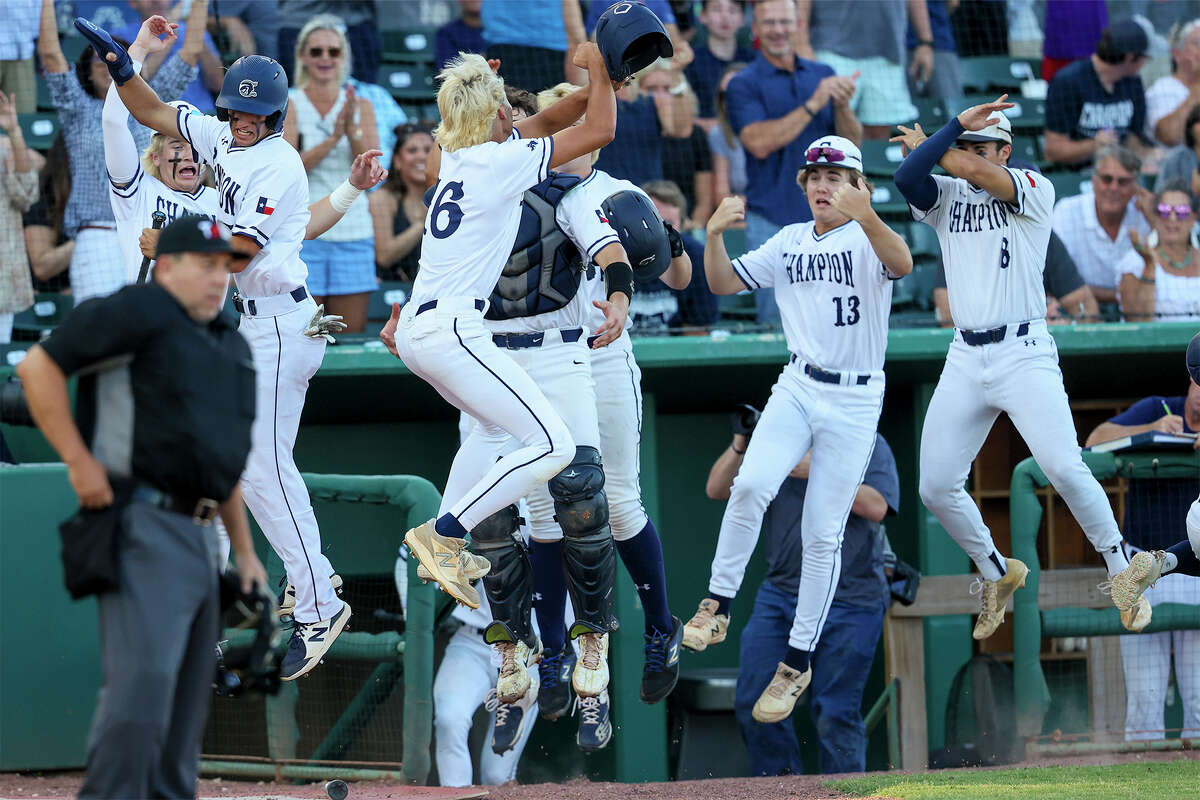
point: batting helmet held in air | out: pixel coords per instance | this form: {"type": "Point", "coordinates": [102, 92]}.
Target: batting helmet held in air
{"type": "Point", "coordinates": [1193, 358]}
{"type": "Point", "coordinates": [255, 85]}
{"type": "Point", "coordinates": [630, 38]}
{"type": "Point", "coordinates": [641, 231]}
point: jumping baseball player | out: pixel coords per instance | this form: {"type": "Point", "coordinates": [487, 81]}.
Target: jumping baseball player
{"type": "Point", "coordinates": [833, 283]}
{"type": "Point", "coordinates": [993, 223]}
{"type": "Point", "coordinates": [263, 197]}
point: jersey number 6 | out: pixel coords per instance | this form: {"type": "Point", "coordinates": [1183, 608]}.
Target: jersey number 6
{"type": "Point", "coordinates": [446, 205]}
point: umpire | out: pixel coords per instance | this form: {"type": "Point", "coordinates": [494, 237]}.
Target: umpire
{"type": "Point", "coordinates": [155, 451]}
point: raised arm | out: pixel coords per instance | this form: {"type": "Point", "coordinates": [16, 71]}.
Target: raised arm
{"type": "Point", "coordinates": [120, 151]}
{"type": "Point", "coordinates": [557, 117]}
{"type": "Point", "coordinates": [365, 173]}
{"type": "Point", "coordinates": [572, 13]}
{"type": "Point", "coordinates": [601, 123]}
{"type": "Point", "coordinates": [1137, 292]}
{"type": "Point", "coordinates": [48, 48]}
{"type": "Point", "coordinates": [855, 202]}
{"type": "Point", "coordinates": [718, 269]}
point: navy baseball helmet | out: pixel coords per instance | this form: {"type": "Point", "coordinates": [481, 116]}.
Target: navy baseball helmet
{"type": "Point", "coordinates": [1193, 358]}
{"type": "Point", "coordinates": [255, 85]}
{"type": "Point", "coordinates": [641, 231]}
{"type": "Point", "coordinates": [631, 37]}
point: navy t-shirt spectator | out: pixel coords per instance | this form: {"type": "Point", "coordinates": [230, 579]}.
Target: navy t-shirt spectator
{"type": "Point", "coordinates": [682, 159]}
{"type": "Point", "coordinates": [1078, 105]}
{"type": "Point", "coordinates": [704, 74]}
{"type": "Point", "coordinates": [454, 37]}
{"type": "Point", "coordinates": [656, 307]}
{"type": "Point", "coordinates": [661, 9]}
{"type": "Point", "coordinates": [636, 151]}
{"type": "Point", "coordinates": [763, 92]}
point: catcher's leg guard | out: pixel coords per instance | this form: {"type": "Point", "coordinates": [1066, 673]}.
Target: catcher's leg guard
{"type": "Point", "coordinates": [509, 585]}
{"type": "Point", "coordinates": [581, 509]}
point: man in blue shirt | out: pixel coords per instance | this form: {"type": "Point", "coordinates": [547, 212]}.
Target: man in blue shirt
{"type": "Point", "coordinates": [777, 106]}
{"type": "Point", "coordinates": [462, 35]}
{"type": "Point", "coordinates": [508, 29]}
{"type": "Point", "coordinates": [842, 661]}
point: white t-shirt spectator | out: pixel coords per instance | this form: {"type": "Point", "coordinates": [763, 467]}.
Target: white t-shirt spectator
{"type": "Point", "coordinates": [1162, 98]}
{"type": "Point", "coordinates": [1096, 256]}
{"type": "Point", "coordinates": [1176, 297]}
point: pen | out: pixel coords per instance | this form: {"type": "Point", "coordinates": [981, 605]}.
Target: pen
{"type": "Point", "coordinates": [1166, 408]}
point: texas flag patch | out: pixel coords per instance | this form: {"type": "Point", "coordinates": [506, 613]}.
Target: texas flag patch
{"type": "Point", "coordinates": [600, 214]}
{"type": "Point", "coordinates": [266, 205]}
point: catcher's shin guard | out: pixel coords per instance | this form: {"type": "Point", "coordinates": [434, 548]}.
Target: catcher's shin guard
{"type": "Point", "coordinates": [509, 585]}
{"type": "Point", "coordinates": [581, 509]}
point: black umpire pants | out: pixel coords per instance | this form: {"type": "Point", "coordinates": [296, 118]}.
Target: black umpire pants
{"type": "Point", "coordinates": [157, 636]}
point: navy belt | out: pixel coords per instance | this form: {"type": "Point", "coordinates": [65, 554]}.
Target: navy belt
{"type": "Point", "coordinates": [432, 304]}
{"type": "Point", "coordinates": [298, 294]}
{"type": "Point", "coordinates": [522, 341]}
{"type": "Point", "coordinates": [977, 338]}
{"type": "Point", "coordinates": [827, 376]}
{"type": "Point", "coordinates": [202, 510]}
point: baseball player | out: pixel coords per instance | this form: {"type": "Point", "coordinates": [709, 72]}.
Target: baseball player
{"type": "Point", "coordinates": [833, 283]}
{"type": "Point", "coordinates": [263, 197]}
{"type": "Point", "coordinates": [993, 223]}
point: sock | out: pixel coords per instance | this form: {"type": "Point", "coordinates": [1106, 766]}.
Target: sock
{"type": "Point", "coordinates": [1181, 558]}
{"type": "Point", "coordinates": [996, 565]}
{"type": "Point", "coordinates": [549, 593]}
{"type": "Point", "coordinates": [1115, 559]}
{"type": "Point", "coordinates": [723, 603]}
{"type": "Point", "coordinates": [797, 659]}
{"type": "Point", "coordinates": [643, 557]}
{"type": "Point", "coordinates": [447, 525]}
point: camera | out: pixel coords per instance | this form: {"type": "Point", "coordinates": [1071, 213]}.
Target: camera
{"type": "Point", "coordinates": [745, 418]}
{"type": "Point", "coordinates": [13, 408]}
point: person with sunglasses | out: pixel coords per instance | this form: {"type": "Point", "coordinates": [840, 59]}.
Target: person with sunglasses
{"type": "Point", "coordinates": [993, 224]}
{"type": "Point", "coordinates": [833, 284]}
{"type": "Point", "coordinates": [1162, 282]}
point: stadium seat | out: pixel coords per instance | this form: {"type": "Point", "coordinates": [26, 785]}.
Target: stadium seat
{"type": "Point", "coordinates": [922, 240]}
{"type": "Point", "coordinates": [408, 45]}
{"type": "Point", "coordinates": [1027, 149]}
{"type": "Point", "coordinates": [379, 306]}
{"type": "Point", "coordinates": [995, 74]}
{"type": "Point", "coordinates": [888, 201]}
{"type": "Point", "coordinates": [1069, 182]}
{"type": "Point", "coordinates": [47, 311]}
{"type": "Point", "coordinates": [880, 157]}
{"type": "Point", "coordinates": [931, 113]}
{"type": "Point", "coordinates": [39, 129]}
{"type": "Point", "coordinates": [1027, 116]}
{"type": "Point", "coordinates": [408, 81]}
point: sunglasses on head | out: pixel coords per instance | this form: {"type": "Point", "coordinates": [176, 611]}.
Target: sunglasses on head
{"type": "Point", "coordinates": [1109, 180]}
{"type": "Point", "coordinates": [1181, 211]}
{"type": "Point", "coordinates": [830, 154]}
{"type": "Point", "coordinates": [317, 52]}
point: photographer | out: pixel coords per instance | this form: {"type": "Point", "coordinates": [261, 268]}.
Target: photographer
{"type": "Point", "coordinates": [162, 430]}
{"type": "Point", "coordinates": [842, 660]}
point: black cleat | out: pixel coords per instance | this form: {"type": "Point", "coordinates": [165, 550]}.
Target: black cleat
{"type": "Point", "coordinates": [661, 669]}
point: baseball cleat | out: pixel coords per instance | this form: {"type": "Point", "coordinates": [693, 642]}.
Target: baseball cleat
{"type": "Point", "coordinates": [1138, 616]}
{"type": "Point", "coordinates": [994, 597]}
{"type": "Point", "coordinates": [661, 668]}
{"type": "Point", "coordinates": [511, 718]}
{"type": "Point", "coordinates": [1128, 585]}
{"type": "Point", "coordinates": [595, 725]}
{"type": "Point", "coordinates": [480, 567]}
{"type": "Point", "coordinates": [779, 698]}
{"type": "Point", "coordinates": [554, 671]}
{"type": "Point", "coordinates": [515, 658]}
{"type": "Point", "coordinates": [287, 597]}
{"type": "Point", "coordinates": [590, 676]}
{"type": "Point", "coordinates": [309, 643]}
{"type": "Point", "coordinates": [447, 561]}
{"type": "Point", "coordinates": [706, 627]}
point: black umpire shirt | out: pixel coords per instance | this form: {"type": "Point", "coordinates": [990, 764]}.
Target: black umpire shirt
{"type": "Point", "coordinates": [161, 398]}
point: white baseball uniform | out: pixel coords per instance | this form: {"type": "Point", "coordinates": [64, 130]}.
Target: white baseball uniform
{"type": "Point", "coordinates": [834, 297]}
{"type": "Point", "coordinates": [994, 254]}
{"type": "Point", "coordinates": [263, 195]}
{"type": "Point", "coordinates": [469, 233]}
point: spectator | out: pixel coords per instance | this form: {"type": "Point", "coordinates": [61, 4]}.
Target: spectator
{"type": "Point", "coordinates": [508, 28]}
{"type": "Point", "coordinates": [19, 183]}
{"type": "Point", "coordinates": [843, 658]}
{"type": "Point", "coordinates": [1181, 162]}
{"type": "Point", "coordinates": [16, 53]}
{"type": "Point", "coordinates": [462, 35]}
{"type": "Point", "coordinates": [722, 19]}
{"type": "Point", "coordinates": [97, 267]}
{"type": "Point", "coordinates": [49, 249]}
{"type": "Point", "coordinates": [982, 28]}
{"type": "Point", "coordinates": [1095, 226]}
{"type": "Point", "coordinates": [1163, 282]}
{"type": "Point", "coordinates": [945, 81]}
{"type": "Point", "coordinates": [251, 25]}
{"type": "Point", "coordinates": [360, 29]}
{"type": "Point", "coordinates": [656, 307]}
{"type": "Point", "coordinates": [663, 9]}
{"type": "Point", "coordinates": [1099, 100]}
{"type": "Point", "coordinates": [728, 155]}
{"type": "Point", "coordinates": [388, 113]}
{"type": "Point", "coordinates": [686, 161]}
{"type": "Point", "coordinates": [1153, 519]}
{"type": "Point", "coordinates": [330, 126]}
{"type": "Point", "coordinates": [1072, 29]}
{"type": "Point", "coordinates": [1171, 98]}
{"type": "Point", "coordinates": [654, 105]}
{"type": "Point", "coordinates": [1068, 297]}
{"type": "Point", "coordinates": [866, 39]}
{"type": "Point", "coordinates": [199, 92]}
{"type": "Point", "coordinates": [777, 106]}
{"type": "Point", "coordinates": [398, 210]}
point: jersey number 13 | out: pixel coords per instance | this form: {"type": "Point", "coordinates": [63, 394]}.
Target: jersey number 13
{"type": "Point", "coordinates": [847, 311]}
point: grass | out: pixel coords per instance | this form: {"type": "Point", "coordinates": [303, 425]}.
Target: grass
{"type": "Point", "coordinates": [1155, 781]}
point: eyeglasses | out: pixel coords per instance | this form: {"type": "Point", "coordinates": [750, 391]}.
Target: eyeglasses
{"type": "Point", "coordinates": [317, 52]}
{"type": "Point", "coordinates": [831, 155]}
{"type": "Point", "coordinates": [1181, 211]}
{"type": "Point", "coordinates": [1109, 180]}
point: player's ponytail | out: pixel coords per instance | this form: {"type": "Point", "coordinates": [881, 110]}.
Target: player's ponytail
{"type": "Point", "coordinates": [468, 99]}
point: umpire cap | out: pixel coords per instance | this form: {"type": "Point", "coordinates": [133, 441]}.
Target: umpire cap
{"type": "Point", "coordinates": [1193, 358]}
{"type": "Point", "coordinates": [631, 37]}
{"type": "Point", "coordinates": [193, 233]}
{"type": "Point", "coordinates": [641, 231]}
{"type": "Point", "coordinates": [255, 85]}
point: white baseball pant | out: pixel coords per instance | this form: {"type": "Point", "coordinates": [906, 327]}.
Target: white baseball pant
{"type": "Point", "coordinates": [1021, 377]}
{"type": "Point", "coordinates": [619, 414]}
{"type": "Point", "coordinates": [838, 423]}
{"type": "Point", "coordinates": [285, 359]}
{"type": "Point", "coordinates": [465, 679]}
{"type": "Point", "coordinates": [450, 348]}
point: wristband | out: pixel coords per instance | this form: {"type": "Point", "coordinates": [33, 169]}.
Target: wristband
{"type": "Point", "coordinates": [102, 42]}
{"type": "Point", "coordinates": [344, 196]}
{"type": "Point", "coordinates": [618, 277]}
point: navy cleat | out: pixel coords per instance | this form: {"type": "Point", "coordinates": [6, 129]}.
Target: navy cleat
{"type": "Point", "coordinates": [661, 669]}
{"type": "Point", "coordinates": [595, 725]}
{"type": "Point", "coordinates": [554, 695]}
{"type": "Point", "coordinates": [309, 643]}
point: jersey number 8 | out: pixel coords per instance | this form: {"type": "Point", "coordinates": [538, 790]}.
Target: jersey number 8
{"type": "Point", "coordinates": [446, 205]}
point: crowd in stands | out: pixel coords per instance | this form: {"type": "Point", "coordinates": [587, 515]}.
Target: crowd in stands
{"type": "Point", "coordinates": [749, 86]}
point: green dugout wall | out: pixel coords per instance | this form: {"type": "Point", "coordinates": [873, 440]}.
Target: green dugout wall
{"type": "Point", "coordinates": [367, 414]}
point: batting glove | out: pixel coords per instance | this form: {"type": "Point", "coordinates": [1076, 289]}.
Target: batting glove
{"type": "Point", "coordinates": [675, 240]}
{"type": "Point", "coordinates": [103, 43]}
{"type": "Point", "coordinates": [324, 325]}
